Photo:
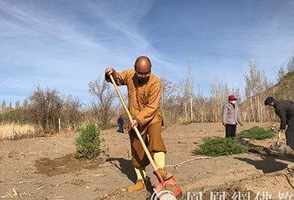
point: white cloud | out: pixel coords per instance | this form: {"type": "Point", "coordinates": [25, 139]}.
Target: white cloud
{"type": "Point", "coordinates": [65, 54]}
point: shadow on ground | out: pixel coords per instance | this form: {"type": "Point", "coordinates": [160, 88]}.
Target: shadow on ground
{"type": "Point", "coordinates": [267, 164]}
{"type": "Point", "coordinates": [64, 165]}
{"type": "Point", "coordinates": [125, 166]}
{"type": "Point", "coordinates": [270, 157]}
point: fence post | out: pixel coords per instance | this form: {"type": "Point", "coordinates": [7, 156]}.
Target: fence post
{"type": "Point", "coordinates": [59, 125]}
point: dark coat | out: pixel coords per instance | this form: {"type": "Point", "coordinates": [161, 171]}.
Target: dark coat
{"type": "Point", "coordinates": [285, 110]}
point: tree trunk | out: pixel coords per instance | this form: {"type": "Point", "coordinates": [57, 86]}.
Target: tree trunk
{"type": "Point", "coordinates": [251, 108]}
{"type": "Point", "coordinates": [186, 112]}
{"type": "Point", "coordinates": [191, 108]}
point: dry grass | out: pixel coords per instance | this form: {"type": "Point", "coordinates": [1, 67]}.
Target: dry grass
{"type": "Point", "coordinates": [16, 131]}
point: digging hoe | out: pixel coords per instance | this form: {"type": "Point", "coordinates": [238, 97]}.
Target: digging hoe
{"type": "Point", "coordinates": [161, 190]}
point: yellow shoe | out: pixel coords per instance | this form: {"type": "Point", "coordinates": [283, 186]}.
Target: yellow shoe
{"type": "Point", "coordinates": [136, 187]}
{"type": "Point", "coordinates": [163, 173]}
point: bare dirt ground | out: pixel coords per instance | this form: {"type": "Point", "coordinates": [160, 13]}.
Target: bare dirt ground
{"type": "Point", "coordinates": [44, 168]}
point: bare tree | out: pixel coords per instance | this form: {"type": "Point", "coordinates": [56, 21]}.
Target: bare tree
{"type": "Point", "coordinates": [169, 101]}
{"type": "Point", "coordinates": [45, 108]}
{"type": "Point", "coordinates": [187, 95]}
{"type": "Point", "coordinates": [256, 83]}
{"type": "Point", "coordinates": [71, 112]}
{"type": "Point", "coordinates": [219, 94]}
{"type": "Point", "coordinates": [290, 64]}
{"type": "Point", "coordinates": [3, 106]}
{"type": "Point", "coordinates": [25, 103]}
{"type": "Point", "coordinates": [281, 74]}
{"type": "Point", "coordinates": [102, 105]}
{"type": "Point", "coordinates": [10, 106]}
{"type": "Point", "coordinates": [17, 104]}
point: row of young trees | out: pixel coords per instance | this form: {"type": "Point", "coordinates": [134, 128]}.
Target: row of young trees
{"type": "Point", "coordinates": [258, 88]}
{"type": "Point", "coordinates": [179, 103]}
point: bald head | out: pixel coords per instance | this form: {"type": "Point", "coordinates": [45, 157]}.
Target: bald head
{"type": "Point", "coordinates": [143, 69]}
{"type": "Point", "coordinates": [143, 65]}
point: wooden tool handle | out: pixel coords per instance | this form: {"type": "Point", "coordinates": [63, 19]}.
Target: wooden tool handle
{"type": "Point", "coordinates": [131, 119]}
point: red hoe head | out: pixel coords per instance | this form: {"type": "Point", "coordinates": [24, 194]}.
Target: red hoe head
{"type": "Point", "coordinates": [168, 187]}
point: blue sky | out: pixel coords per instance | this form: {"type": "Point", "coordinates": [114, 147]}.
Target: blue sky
{"type": "Point", "coordinates": [65, 44]}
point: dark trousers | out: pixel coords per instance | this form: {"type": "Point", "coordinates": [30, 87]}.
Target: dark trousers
{"type": "Point", "coordinates": [120, 125]}
{"type": "Point", "coordinates": [231, 130]}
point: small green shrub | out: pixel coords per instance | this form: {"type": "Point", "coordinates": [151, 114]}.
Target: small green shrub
{"type": "Point", "coordinates": [220, 147]}
{"type": "Point", "coordinates": [88, 142]}
{"type": "Point", "coordinates": [257, 133]}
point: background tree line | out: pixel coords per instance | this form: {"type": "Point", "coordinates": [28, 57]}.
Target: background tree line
{"type": "Point", "coordinates": [46, 109]}
{"type": "Point", "coordinates": [180, 102]}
